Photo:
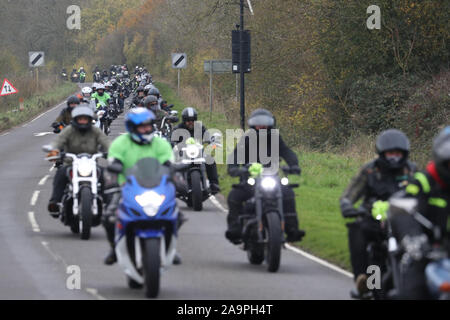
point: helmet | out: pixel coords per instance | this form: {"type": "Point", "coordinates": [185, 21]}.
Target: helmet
{"type": "Point", "coordinates": [441, 154]}
{"type": "Point", "coordinates": [140, 89]}
{"type": "Point", "coordinates": [136, 117]}
{"type": "Point", "coordinates": [113, 81]}
{"type": "Point", "coordinates": [261, 117]}
{"type": "Point", "coordinates": [72, 100]}
{"type": "Point", "coordinates": [154, 92]}
{"type": "Point", "coordinates": [101, 87]}
{"type": "Point", "coordinates": [151, 103]}
{"type": "Point", "coordinates": [86, 90]}
{"type": "Point", "coordinates": [83, 110]}
{"type": "Point", "coordinates": [108, 84]}
{"type": "Point", "coordinates": [147, 88]}
{"type": "Point", "coordinates": [390, 140]}
{"type": "Point", "coordinates": [189, 114]}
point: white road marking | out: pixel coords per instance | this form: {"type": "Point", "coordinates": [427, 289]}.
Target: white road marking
{"type": "Point", "coordinates": [294, 249]}
{"type": "Point", "coordinates": [34, 198]}
{"type": "Point", "coordinates": [5, 134]}
{"type": "Point", "coordinates": [95, 293]}
{"type": "Point", "coordinates": [217, 204]}
{"type": "Point", "coordinates": [51, 168]}
{"type": "Point", "coordinates": [54, 255]}
{"type": "Point", "coordinates": [320, 261]}
{"type": "Point", "coordinates": [41, 134]}
{"type": "Point", "coordinates": [43, 180]}
{"type": "Point", "coordinates": [33, 222]}
{"type": "Point", "coordinates": [37, 117]}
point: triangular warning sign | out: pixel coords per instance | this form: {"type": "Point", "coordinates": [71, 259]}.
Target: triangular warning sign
{"type": "Point", "coordinates": [8, 88]}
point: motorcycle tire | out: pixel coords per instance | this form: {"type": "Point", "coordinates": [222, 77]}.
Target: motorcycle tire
{"type": "Point", "coordinates": [151, 266]}
{"type": "Point", "coordinates": [274, 241]}
{"type": "Point", "coordinates": [255, 254]}
{"type": "Point", "coordinates": [197, 194]}
{"type": "Point", "coordinates": [85, 216]}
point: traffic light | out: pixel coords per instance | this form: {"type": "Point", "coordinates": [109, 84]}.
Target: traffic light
{"type": "Point", "coordinates": [235, 39]}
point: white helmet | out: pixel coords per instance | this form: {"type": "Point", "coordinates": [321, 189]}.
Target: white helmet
{"type": "Point", "coordinates": [86, 90]}
{"type": "Point", "coordinates": [100, 86]}
{"type": "Point", "coordinates": [108, 84]}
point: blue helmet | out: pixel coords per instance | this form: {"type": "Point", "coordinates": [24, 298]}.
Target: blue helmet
{"type": "Point", "coordinates": [135, 118]}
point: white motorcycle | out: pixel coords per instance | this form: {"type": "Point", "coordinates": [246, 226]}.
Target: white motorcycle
{"type": "Point", "coordinates": [81, 205]}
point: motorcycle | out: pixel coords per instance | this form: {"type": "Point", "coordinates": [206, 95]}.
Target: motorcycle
{"type": "Point", "coordinates": [436, 255]}
{"type": "Point", "coordinates": [192, 155]}
{"type": "Point", "coordinates": [64, 76]}
{"type": "Point", "coordinates": [103, 122]}
{"type": "Point", "coordinates": [263, 219]}
{"type": "Point", "coordinates": [81, 205]}
{"type": "Point", "coordinates": [378, 254]}
{"type": "Point", "coordinates": [146, 226]}
{"type": "Point", "coordinates": [97, 77]}
{"type": "Point", "coordinates": [74, 77]}
{"type": "Point", "coordinates": [82, 77]}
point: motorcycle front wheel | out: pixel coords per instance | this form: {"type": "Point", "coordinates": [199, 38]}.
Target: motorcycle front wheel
{"type": "Point", "coordinates": [274, 241]}
{"type": "Point", "coordinates": [85, 213]}
{"type": "Point", "coordinates": [197, 196]}
{"type": "Point", "coordinates": [151, 266]}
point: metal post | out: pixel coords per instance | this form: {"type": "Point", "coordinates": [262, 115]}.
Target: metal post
{"type": "Point", "coordinates": [178, 90]}
{"type": "Point", "coordinates": [241, 66]}
{"type": "Point", "coordinates": [210, 88]}
{"type": "Point", "coordinates": [37, 79]}
{"type": "Point", "coordinates": [237, 87]}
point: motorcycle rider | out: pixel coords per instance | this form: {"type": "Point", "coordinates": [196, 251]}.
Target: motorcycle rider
{"type": "Point", "coordinates": [79, 137]}
{"type": "Point", "coordinates": [126, 150]}
{"type": "Point", "coordinates": [155, 92]}
{"type": "Point", "coordinates": [431, 192]}
{"type": "Point", "coordinates": [260, 119]}
{"type": "Point", "coordinates": [100, 95]}
{"type": "Point", "coordinates": [86, 95]}
{"type": "Point", "coordinates": [138, 99]}
{"type": "Point", "coordinates": [65, 116]}
{"type": "Point", "coordinates": [377, 181]}
{"type": "Point", "coordinates": [189, 116]}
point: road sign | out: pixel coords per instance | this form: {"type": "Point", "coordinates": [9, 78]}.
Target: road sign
{"type": "Point", "coordinates": [218, 66]}
{"type": "Point", "coordinates": [36, 59]}
{"type": "Point", "coordinates": [8, 88]}
{"type": "Point", "coordinates": [179, 60]}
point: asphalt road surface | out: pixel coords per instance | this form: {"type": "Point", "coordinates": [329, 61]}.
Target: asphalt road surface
{"type": "Point", "coordinates": [36, 249]}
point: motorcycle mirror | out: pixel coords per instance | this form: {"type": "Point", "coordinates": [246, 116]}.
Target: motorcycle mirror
{"type": "Point", "coordinates": [115, 168]}
{"type": "Point", "coordinates": [47, 148]}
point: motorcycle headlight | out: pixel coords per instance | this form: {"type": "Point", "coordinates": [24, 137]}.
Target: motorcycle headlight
{"type": "Point", "coordinates": [192, 151]}
{"type": "Point", "coordinates": [150, 201]}
{"type": "Point", "coordinates": [284, 181]}
{"type": "Point", "coordinates": [84, 169]}
{"type": "Point", "coordinates": [268, 183]}
{"type": "Point", "coordinates": [251, 181]}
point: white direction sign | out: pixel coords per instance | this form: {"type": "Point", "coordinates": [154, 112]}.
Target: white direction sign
{"type": "Point", "coordinates": [7, 88]}
{"type": "Point", "coordinates": [36, 59]}
{"type": "Point", "coordinates": [179, 60]}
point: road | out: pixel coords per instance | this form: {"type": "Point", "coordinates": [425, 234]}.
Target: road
{"type": "Point", "coordinates": [37, 249]}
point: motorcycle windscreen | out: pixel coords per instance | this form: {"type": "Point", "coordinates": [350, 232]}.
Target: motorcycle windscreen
{"type": "Point", "coordinates": [148, 172]}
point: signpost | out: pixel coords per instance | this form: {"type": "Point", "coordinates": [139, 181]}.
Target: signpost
{"type": "Point", "coordinates": [7, 88]}
{"type": "Point", "coordinates": [179, 61]}
{"type": "Point", "coordinates": [36, 59]}
{"type": "Point", "coordinates": [215, 66]}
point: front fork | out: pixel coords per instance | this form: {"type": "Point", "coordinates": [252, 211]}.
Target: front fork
{"type": "Point", "coordinates": [259, 212]}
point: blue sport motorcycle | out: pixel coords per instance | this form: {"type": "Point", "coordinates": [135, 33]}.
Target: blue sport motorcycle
{"type": "Point", "coordinates": [146, 227]}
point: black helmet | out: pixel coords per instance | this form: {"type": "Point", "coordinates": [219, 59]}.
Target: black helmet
{"type": "Point", "coordinates": [441, 154]}
{"type": "Point", "coordinates": [189, 114]}
{"type": "Point", "coordinates": [390, 140]}
{"type": "Point", "coordinates": [151, 103]}
{"type": "Point", "coordinates": [83, 110]}
{"type": "Point", "coordinates": [154, 92]}
{"type": "Point", "coordinates": [261, 117]}
{"type": "Point", "coordinates": [72, 99]}
{"type": "Point", "coordinates": [140, 89]}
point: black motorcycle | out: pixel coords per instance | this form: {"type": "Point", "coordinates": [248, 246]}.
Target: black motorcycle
{"type": "Point", "coordinates": [193, 157]}
{"type": "Point", "coordinates": [263, 219]}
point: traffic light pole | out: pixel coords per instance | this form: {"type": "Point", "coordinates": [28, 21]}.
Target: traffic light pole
{"type": "Point", "coordinates": [241, 66]}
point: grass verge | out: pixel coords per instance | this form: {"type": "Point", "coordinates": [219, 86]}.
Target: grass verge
{"type": "Point", "coordinates": [36, 105]}
{"type": "Point", "coordinates": [324, 177]}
